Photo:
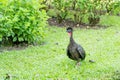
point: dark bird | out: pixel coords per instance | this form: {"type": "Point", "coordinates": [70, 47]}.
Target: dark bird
{"type": "Point", "coordinates": [74, 50]}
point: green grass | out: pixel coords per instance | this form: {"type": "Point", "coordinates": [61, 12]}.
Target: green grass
{"type": "Point", "coordinates": [110, 20]}
{"type": "Point", "coordinates": [49, 61]}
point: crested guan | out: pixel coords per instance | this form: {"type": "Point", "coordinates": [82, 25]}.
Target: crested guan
{"type": "Point", "coordinates": [74, 50]}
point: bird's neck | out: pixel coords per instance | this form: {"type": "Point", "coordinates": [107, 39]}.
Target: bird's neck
{"type": "Point", "coordinates": [71, 38]}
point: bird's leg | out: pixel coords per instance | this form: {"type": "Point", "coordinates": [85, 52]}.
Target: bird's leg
{"type": "Point", "coordinates": [78, 63]}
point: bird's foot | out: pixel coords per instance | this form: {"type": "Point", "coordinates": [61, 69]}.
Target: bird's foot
{"type": "Point", "coordinates": [78, 63]}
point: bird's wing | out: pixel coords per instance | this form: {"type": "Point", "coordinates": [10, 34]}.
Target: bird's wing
{"type": "Point", "coordinates": [68, 53]}
{"type": "Point", "coordinates": [81, 51]}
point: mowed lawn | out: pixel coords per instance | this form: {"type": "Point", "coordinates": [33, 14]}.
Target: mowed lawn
{"type": "Point", "coordinates": [50, 62]}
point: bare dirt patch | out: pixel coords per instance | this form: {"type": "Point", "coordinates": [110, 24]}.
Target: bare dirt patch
{"type": "Point", "coordinates": [66, 23]}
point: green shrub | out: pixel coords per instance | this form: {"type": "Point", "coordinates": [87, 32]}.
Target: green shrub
{"type": "Point", "coordinates": [116, 8]}
{"type": "Point", "coordinates": [61, 9]}
{"type": "Point", "coordinates": [80, 10]}
{"type": "Point", "coordinates": [94, 8]}
{"type": "Point", "coordinates": [22, 21]}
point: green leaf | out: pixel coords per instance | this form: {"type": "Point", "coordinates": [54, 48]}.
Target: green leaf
{"type": "Point", "coordinates": [14, 39]}
{"type": "Point", "coordinates": [20, 39]}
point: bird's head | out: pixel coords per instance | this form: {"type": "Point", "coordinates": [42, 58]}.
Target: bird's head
{"type": "Point", "coordinates": [69, 30]}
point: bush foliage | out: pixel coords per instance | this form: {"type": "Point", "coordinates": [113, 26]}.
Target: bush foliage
{"type": "Point", "coordinates": [81, 10]}
{"type": "Point", "coordinates": [61, 7]}
{"type": "Point", "coordinates": [22, 21]}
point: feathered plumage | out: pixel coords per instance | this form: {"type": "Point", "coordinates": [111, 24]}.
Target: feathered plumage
{"type": "Point", "coordinates": [74, 50]}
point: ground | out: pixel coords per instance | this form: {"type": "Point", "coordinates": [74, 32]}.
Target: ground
{"type": "Point", "coordinates": [50, 62]}
{"type": "Point", "coordinates": [69, 23]}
